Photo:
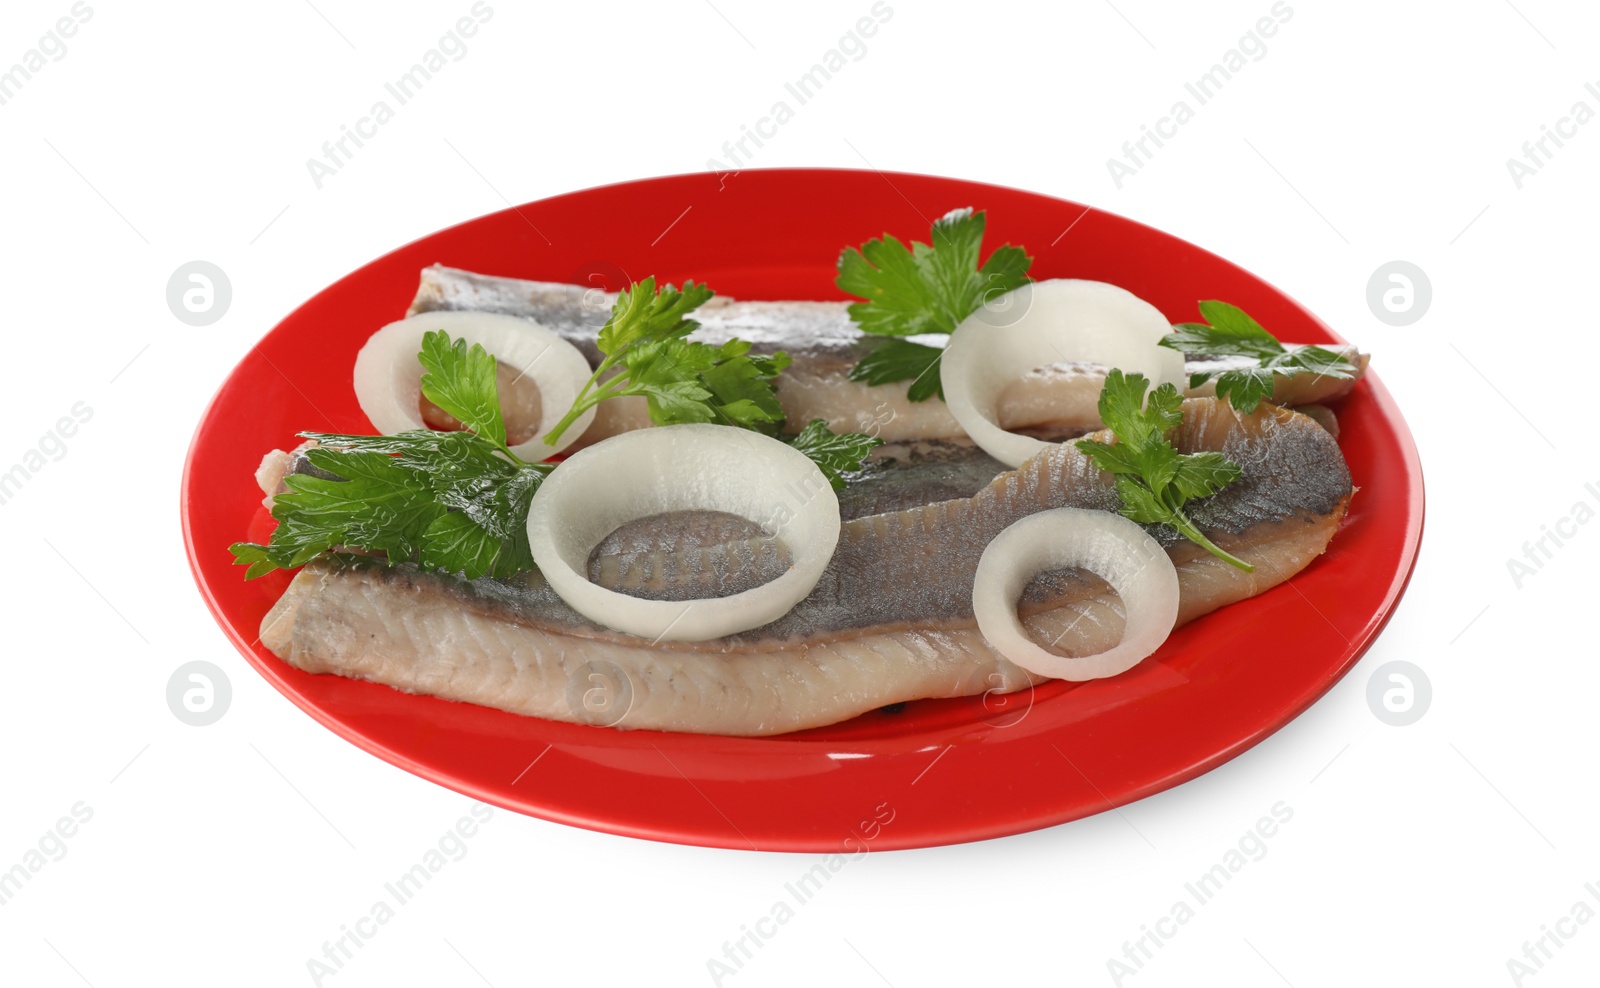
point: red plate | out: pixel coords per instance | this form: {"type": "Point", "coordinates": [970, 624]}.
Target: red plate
{"type": "Point", "coordinates": [941, 771]}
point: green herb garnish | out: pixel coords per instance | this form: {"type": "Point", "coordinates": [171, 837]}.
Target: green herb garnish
{"type": "Point", "coordinates": [923, 289]}
{"type": "Point", "coordinates": [685, 381]}
{"type": "Point", "coordinates": [450, 501]}
{"type": "Point", "coordinates": [462, 381]}
{"type": "Point", "coordinates": [1153, 479]}
{"type": "Point", "coordinates": [834, 454]}
{"type": "Point", "coordinates": [902, 360]}
{"type": "Point", "coordinates": [1232, 333]}
{"type": "Point", "coordinates": [681, 381]}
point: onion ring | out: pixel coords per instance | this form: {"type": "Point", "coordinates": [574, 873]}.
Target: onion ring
{"type": "Point", "coordinates": [388, 376]}
{"type": "Point", "coordinates": [1110, 546]}
{"type": "Point", "coordinates": [683, 468]}
{"type": "Point", "coordinates": [1043, 323]}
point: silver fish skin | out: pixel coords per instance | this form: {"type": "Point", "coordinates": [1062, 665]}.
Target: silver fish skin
{"type": "Point", "coordinates": [825, 344]}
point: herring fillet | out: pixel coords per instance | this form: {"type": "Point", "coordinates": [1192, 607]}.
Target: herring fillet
{"type": "Point", "coordinates": [825, 344]}
{"type": "Point", "coordinates": [890, 621]}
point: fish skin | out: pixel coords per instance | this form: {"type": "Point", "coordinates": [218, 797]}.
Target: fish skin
{"type": "Point", "coordinates": [825, 344]}
{"type": "Point", "coordinates": [911, 473]}
{"type": "Point", "coordinates": [891, 620]}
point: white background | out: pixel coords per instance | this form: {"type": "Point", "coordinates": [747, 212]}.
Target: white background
{"type": "Point", "coordinates": [1368, 132]}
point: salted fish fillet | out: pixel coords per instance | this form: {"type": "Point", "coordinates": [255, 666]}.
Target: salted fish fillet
{"type": "Point", "coordinates": [825, 344]}
{"type": "Point", "coordinates": [891, 620]}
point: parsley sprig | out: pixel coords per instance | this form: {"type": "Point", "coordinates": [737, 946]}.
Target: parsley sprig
{"type": "Point", "coordinates": [1232, 333]}
{"type": "Point", "coordinates": [450, 501]}
{"type": "Point", "coordinates": [926, 288]}
{"type": "Point", "coordinates": [835, 454]}
{"type": "Point", "coordinates": [681, 381]}
{"type": "Point", "coordinates": [686, 381]}
{"type": "Point", "coordinates": [1153, 479]}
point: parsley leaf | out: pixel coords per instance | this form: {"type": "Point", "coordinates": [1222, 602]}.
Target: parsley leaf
{"type": "Point", "coordinates": [641, 313]}
{"type": "Point", "coordinates": [450, 501]}
{"type": "Point", "coordinates": [926, 288]}
{"type": "Point", "coordinates": [447, 500]}
{"type": "Point", "coordinates": [833, 454]}
{"type": "Point", "coordinates": [1152, 478]}
{"type": "Point", "coordinates": [1232, 333]}
{"type": "Point", "coordinates": [744, 385]}
{"type": "Point", "coordinates": [899, 360]}
{"type": "Point", "coordinates": [463, 383]}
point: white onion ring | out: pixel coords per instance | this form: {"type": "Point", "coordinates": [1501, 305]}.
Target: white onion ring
{"type": "Point", "coordinates": [388, 376]}
{"type": "Point", "coordinates": [1043, 323]}
{"type": "Point", "coordinates": [683, 468]}
{"type": "Point", "coordinates": [1110, 546]}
